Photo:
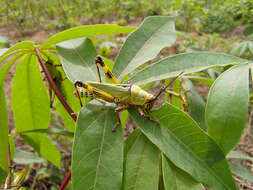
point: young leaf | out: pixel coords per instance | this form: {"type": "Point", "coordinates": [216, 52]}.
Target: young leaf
{"type": "Point", "coordinates": [196, 104]}
{"type": "Point", "coordinates": [30, 102]}
{"type": "Point", "coordinates": [97, 161]}
{"type": "Point", "coordinates": [176, 179]}
{"type": "Point", "coordinates": [5, 68]}
{"type": "Point", "coordinates": [3, 137]}
{"type": "Point", "coordinates": [77, 58]}
{"type": "Point", "coordinates": [227, 106]}
{"type": "Point", "coordinates": [86, 31]}
{"type": "Point", "coordinates": [144, 44]}
{"type": "Point", "coordinates": [25, 45]}
{"type": "Point", "coordinates": [44, 146]}
{"type": "Point", "coordinates": [187, 146]}
{"type": "Point", "coordinates": [142, 165]}
{"type": "Point", "coordinates": [187, 62]}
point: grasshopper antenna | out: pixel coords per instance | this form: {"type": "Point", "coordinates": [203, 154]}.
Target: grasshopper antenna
{"type": "Point", "coordinates": [163, 89]}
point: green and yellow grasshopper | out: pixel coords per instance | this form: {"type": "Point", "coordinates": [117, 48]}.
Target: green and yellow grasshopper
{"type": "Point", "coordinates": [123, 95]}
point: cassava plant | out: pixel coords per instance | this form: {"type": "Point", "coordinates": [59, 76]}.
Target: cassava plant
{"type": "Point", "coordinates": [186, 150]}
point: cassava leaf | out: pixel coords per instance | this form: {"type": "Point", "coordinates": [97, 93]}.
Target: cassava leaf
{"type": "Point", "coordinates": [187, 146]}
{"type": "Point", "coordinates": [142, 165]}
{"type": "Point", "coordinates": [3, 136]}
{"type": "Point", "coordinates": [176, 179]}
{"type": "Point", "coordinates": [25, 45]}
{"type": "Point", "coordinates": [5, 67]}
{"type": "Point", "coordinates": [44, 146]}
{"type": "Point", "coordinates": [196, 104]}
{"type": "Point", "coordinates": [187, 62]}
{"type": "Point", "coordinates": [204, 80]}
{"type": "Point", "coordinates": [30, 102]}
{"type": "Point", "coordinates": [86, 31]}
{"type": "Point", "coordinates": [227, 106]}
{"type": "Point", "coordinates": [97, 161]}
{"type": "Point", "coordinates": [77, 58]}
{"type": "Point", "coordinates": [144, 44]}
{"type": "Point", "coordinates": [4, 122]}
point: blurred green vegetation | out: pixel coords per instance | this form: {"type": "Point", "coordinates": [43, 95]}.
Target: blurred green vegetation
{"type": "Point", "coordinates": [199, 15]}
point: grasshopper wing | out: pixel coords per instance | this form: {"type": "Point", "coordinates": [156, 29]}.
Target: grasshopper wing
{"type": "Point", "coordinates": [121, 91]}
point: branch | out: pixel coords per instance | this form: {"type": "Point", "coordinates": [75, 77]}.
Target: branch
{"type": "Point", "coordinates": [62, 100]}
{"type": "Point", "coordinates": [54, 87]}
{"type": "Point", "coordinates": [65, 181]}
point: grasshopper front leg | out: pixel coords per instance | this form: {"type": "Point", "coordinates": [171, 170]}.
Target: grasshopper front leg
{"type": "Point", "coordinates": [142, 113]}
{"type": "Point", "coordinates": [117, 111]}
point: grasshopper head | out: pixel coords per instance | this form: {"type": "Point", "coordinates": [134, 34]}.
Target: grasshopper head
{"type": "Point", "coordinates": [149, 104]}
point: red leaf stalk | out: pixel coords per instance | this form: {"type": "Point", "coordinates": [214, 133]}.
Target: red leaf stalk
{"type": "Point", "coordinates": [62, 100]}
{"type": "Point", "coordinates": [54, 87]}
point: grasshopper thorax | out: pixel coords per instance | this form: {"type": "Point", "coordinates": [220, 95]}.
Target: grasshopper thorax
{"type": "Point", "coordinates": [139, 96]}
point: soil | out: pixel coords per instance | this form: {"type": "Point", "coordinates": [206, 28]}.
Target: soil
{"type": "Point", "coordinates": [39, 35]}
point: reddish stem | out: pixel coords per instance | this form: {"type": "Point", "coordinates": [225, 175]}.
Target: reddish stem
{"type": "Point", "coordinates": [62, 100]}
{"type": "Point", "coordinates": [54, 87]}
{"type": "Point", "coordinates": [65, 181]}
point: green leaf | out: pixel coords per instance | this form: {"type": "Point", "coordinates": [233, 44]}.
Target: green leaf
{"type": "Point", "coordinates": [77, 58]}
{"type": "Point", "coordinates": [3, 136]}
{"type": "Point", "coordinates": [241, 172]}
{"type": "Point", "coordinates": [187, 146]}
{"type": "Point", "coordinates": [142, 165]}
{"type": "Point", "coordinates": [25, 45]}
{"type": "Point", "coordinates": [97, 161]}
{"type": "Point", "coordinates": [176, 179]}
{"type": "Point", "coordinates": [203, 80]}
{"type": "Point", "coordinates": [51, 131]}
{"type": "Point", "coordinates": [5, 68]}
{"type": "Point", "coordinates": [196, 104]}
{"type": "Point", "coordinates": [187, 62]}
{"type": "Point", "coordinates": [86, 31]}
{"type": "Point", "coordinates": [227, 106]}
{"type": "Point", "coordinates": [239, 155]}
{"type": "Point", "coordinates": [30, 102]}
{"type": "Point", "coordinates": [144, 44]}
{"type": "Point", "coordinates": [24, 157]}
{"type": "Point", "coordinates": [44, 146]}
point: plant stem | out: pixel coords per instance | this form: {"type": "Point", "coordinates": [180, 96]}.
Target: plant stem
{"type": "Point", "coordinates": [65, 181]}
{"type": "Point", "coordinates": [54, 87]}
{"type": "Point", "coordinates": [62, 100]}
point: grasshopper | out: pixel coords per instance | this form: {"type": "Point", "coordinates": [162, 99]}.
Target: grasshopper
{"type": "Point", "coordinates": [123, 95]}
